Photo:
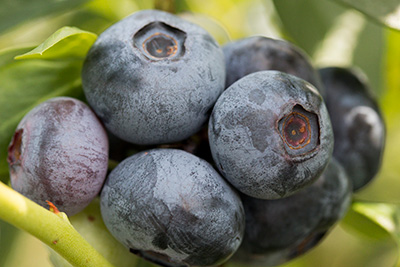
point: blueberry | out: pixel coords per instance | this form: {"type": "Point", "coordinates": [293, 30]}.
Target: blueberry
{"type": "Point", "coordinates": [278, 257]}
{"type": "Point", "coordinates": [357, 123]}
{"type": "Point", "coordinates": [172, 208]}
{"type": "Point", "coordinates": [270, 134]}
{"type": "Point", "coordinates": [275, 227]}
{"type": "Point", "coordinates": [59, 153]}
{"type": "Point", "coordinates": [258, 53]}
{"type": "Point", "coordinates": [153, 77]}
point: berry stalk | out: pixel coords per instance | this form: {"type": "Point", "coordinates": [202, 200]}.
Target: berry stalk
{"type": "Point", "coordinates": [165, 5]}
{"type": "Point", "coordinates": [52, 228]}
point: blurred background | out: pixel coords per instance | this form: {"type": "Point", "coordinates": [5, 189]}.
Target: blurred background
{"type": "Point", "coordinates": [331, 34]}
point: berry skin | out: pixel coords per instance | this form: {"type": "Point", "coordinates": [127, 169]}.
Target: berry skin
{"type": "Point", "coordinates": [270, 134]}
{"type": "Point", "coordinates": [259, 53]}
{"type": "Point", "coordinates": [357, 123]}
{"type": "Point", "coordinates": [173, 209]}
{"type": "Point", "coordinates": [279, 230]}
{"type": "Point", "coordinates": [153, 77]}
{"type": "Point", "coordinates": [59, 153]}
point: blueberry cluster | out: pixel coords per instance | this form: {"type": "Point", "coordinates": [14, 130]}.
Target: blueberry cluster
{"type": "Point", "coordinates": [226, 153]}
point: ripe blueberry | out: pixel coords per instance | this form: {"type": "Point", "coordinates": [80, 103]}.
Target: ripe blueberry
{"type": "Point", "coordinates": [357, 123]}
{"type": "Point", "coordinates": [172, 208]}
{"type": "Point", "coordinates": [270, 134]}
{"type": "Point", "coordinates": [276, 227]}
{"type": "Point", "coordinates": [258, 53]}
{"type": "Point", "coordinates": [153, 77]}
{"type": "Point", "coordinates": [59, 153]}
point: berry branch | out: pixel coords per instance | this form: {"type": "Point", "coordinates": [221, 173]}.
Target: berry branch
{"type": "Point", "coordinates": [165, 5]}
{"type": "Point", "coordinates": [54, 229]}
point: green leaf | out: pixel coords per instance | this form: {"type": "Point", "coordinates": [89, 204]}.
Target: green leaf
{"type": "Point", "coordinates": [7, 55]}
{"type": "Point", "coordinates": [341, 36]}
{"type": "Point", "coordinates": [145, 4]}
{"type": "Point", "coordinates": [369, 55]}
{"type": "Point", "coordinates": [8, 234]}
{"type": "Point", "coordinates": [377, 220]}
{"type": "Point", "coordinates": [107, 10]}
{"type": "Point", "coordinates": [306, 22]}
{"type": "Point", "coordinates": [25, 84]}
{"type": "Point", "coordinates": [66, 43]}
{"type": "Point", "coordinates": [332, 51]}
{"type": "Point", "coordinates": [391, 76]}
{"type": "Point", "coordinates": [15, 12]}
{"type": "Point", "coordinates": [240, 18]}
{"type": "Point", "coordinates": [386, 12]}
{"type": "Point", "coordinates": [372, 220]}
{"type": "Point", "coordinates": [144, 263]}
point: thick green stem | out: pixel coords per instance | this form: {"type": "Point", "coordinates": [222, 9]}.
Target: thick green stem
{"type": "Point", "coordinates": [53, 229]}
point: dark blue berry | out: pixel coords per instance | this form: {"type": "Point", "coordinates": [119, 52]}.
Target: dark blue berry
{"type": "Point", "coordinates": [270, 134]}
{"type": "Point", "coordinates": [357, 123]}
{"type": "Point", "coordinates": [153, 77]}
{"type": "Point", "coordinates": [172, 208]}
{"type": "Point", "coordinates": [258, 53]}
{"type": "Point", "coordinates": [279, 230]}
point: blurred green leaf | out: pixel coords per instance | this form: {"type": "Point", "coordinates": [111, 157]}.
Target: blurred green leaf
{"type": "Point", "coordinates": [332, 50]}
{"type": "Point", "coordinates": [112, 10]}
{"type": "Point", "coordinates": [95, 17]}
{"type": "Point", "coordinates": [15, 12]}
{"type": "Point", "coordinates": [181, 6]}
{"type": "Point", "coordinates": [209, 24]}
{"type": "Point", "coordinates": [240, 18]}
{"type": "Point", "coordinates": [145, 4]}
{"type": "Point", "coordinates": [143, 263]}
{"type": "Point", "coordinates": [369, 55]}
{"type": "Point", "coordinates": [8, 234]}
{"type": "Point", "coordinates": [66, 43]}
{"type": "Point", "coordinates": [392, 75]}
{"type": "Point", "coordinates": [379, 221]}
{"type": "Point", "coordinates": [7, 55]}
{"type": "Point", "coordinates": [306, 22]}
{"type": "Point", "coordinates": [341, 34]}
{"type": "Point", "coordinates": [386, 12]}
{"type": "Point", "coordinates": [26, 83]}
{"type": "Point", "coordinates": [172, 6]}
{"type": "Point", "coordinates": [365, 219]}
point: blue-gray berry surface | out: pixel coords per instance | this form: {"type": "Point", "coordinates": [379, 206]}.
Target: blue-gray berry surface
{"type": "Point", "coordinates": [270, 134]}
{"type": "Point", "coordinates": [357, 123]}
{"type": "Point", "coordinates": [172, 208]}
{"type": "Point", "coordinates": [258, 53]}
{"type": "Point", "coordinates": [275, 227]}
{"type": "Point", "coordinates": [59, 153]}
{"type": "Point", "coordinates": [153, 77]}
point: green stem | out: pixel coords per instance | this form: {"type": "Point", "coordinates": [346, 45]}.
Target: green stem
{"type": "Point", "coordinates": [53, 229]}
{"type": "Point", "coordinates": [165, 5]}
